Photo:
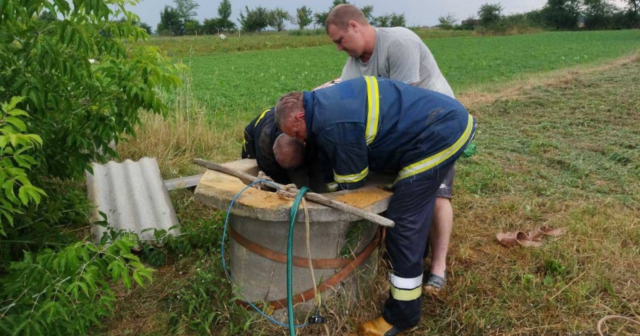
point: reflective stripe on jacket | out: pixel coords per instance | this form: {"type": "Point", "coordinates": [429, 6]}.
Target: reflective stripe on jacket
{"type": "Point", "coordinates": [376, 124]}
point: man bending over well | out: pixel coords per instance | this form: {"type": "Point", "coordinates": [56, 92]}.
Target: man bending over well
{"type": "Point", "coordinates": [375, 124]}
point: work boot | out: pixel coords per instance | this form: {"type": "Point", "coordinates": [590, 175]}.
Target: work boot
{"type": "Point", "coordinates": [377, 327]}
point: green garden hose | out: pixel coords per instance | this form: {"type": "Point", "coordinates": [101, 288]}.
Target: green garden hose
{"type": "Point", "coordinates": [292, 220]}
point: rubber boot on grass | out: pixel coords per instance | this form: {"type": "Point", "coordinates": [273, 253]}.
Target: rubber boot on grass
{"type": "Point", "coordinates": [377, 327]}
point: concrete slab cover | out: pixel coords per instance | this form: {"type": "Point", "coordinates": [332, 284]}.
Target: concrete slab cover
{"type": "Point", "coordinates": [132, 195]}
{"type": "Point", "coordinates": [216, 189]}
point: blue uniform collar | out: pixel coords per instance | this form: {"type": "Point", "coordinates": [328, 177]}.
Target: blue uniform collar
{"type": "Point", "coordinates": [307, 98]}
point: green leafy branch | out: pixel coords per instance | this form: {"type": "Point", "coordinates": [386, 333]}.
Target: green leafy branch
{"type": "Point", "coordinates": [79, 105]}
{"type": "Point", "coordinates": [15, 143]}
{"type": "Point", "coordinates": [67, 291]}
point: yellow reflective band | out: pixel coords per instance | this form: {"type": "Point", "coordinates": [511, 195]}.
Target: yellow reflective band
{"type": "Point", "coordinates": [406, 294]}
{"type": "Point", "coordinates": [432, 161]}
{"type": "Point", "coordinates": [353, 178]}
{"type": "Point", "coordinates": [261, 116]}
{"type": "Point", "coordinates": [332, 186]}
{"type": "Point", "coordinates": [373, 115]}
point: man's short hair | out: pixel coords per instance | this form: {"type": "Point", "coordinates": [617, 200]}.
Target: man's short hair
{"type": "Point", "coordinates": [289, 151]}
{"type": "Point", "coordinates": [341, 15]}
{"type": "Point", "coordinates": [288, 105]}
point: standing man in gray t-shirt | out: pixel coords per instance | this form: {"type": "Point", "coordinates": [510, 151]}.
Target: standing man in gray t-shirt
{"type": "Point", "coordinates": [397, 53]}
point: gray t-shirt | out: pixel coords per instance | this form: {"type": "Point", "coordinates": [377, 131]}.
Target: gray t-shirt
{"type": "Point", "coordinates": [401, 55]}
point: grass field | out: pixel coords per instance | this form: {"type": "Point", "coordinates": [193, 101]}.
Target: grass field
{"type": "Point", "coordinates": [238, 85]}
{"type": "Point", "coordinates": [557, 145]}
{"type": "Point", "coordinates": [564, 154]}
{"type": "Point", "coordinates": [226, 90]}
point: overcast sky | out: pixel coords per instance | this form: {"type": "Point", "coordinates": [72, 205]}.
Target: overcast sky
{"type": "Point", "coordinates": [417, 12]}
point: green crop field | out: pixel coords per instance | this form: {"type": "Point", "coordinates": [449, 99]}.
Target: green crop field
{"type": "Point", "coordinates": [236, 86]}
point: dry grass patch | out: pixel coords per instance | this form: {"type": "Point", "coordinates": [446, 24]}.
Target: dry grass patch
{"type": "Point", "coordinates": [564, 154]}
{"type": "Point", "coordinates": [186, 132]}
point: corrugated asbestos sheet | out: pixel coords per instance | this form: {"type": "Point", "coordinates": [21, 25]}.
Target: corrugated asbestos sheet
{"type": "Point", "coordinates": [133, 196]}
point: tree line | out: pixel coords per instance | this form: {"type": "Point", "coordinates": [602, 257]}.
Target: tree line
{"type": "Point", "coordinates": [180, 19]}
{"type": "Point", "coordinates": [555, 15]}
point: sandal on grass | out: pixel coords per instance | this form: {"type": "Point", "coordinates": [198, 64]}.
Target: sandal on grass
{"type": "Point", "coordinates": [542, 231]}
{"type": "Point", "coordinates": [530, 239]}
{"type": "Point", "coordinates": [510, 239]}
{"type": "Point", "coordinates": [434, 284]}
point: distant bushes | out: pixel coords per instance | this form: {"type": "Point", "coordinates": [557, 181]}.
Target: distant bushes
{"type": "Point", "coordinates": [306, 32]}
{"type": "Point", "coordinates": [515, 24]}
{"type": "Point", "coordinates": [555, 15]}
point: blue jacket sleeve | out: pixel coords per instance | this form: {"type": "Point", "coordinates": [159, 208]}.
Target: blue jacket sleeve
{"type": "Point", "coordinates": [345, 156]}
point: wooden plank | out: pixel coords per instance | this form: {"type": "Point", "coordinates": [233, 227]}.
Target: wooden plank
{"type": "Point", "coordinates": [182, 182]}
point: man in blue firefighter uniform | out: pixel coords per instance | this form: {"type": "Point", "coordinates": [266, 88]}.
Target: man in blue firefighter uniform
{"type": "Point", "coordinates": [375, 124]}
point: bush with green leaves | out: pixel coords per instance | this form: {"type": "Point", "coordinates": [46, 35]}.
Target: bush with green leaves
{"type": "Point", "coordinates": [16, 147]}
{"type": "Point", "coordinates": [447, 22]}
{"type": "Point", "coordinates": [598, 14]}
{"type": "Point", "coordinates": [170, 23]}
{"type": "Point", "coordinates": [490, 15]}
{"type": "Point", "coordinates": [254, 20]}
{"type": "Point", "coordinates": [84, 77]}
{"type": "Point", "coordinates": [221, 23]}
{"type": "Point", "coordinates": [192, 27]}
{"type": "Point", "coordinates": [68, 292]}
{"type": "Point", "coordinates": [217, 25]}
{"type": "Point", "coordinates": [84, 81]}
{"type": "Point", "coordinates": [398, 20]}
{"type": "Point", "coordinates": [277, 17]}
{"type": "Point", "coordinates": [57, 221]}
{"type": "Point", "coordinates": [303, 17]}
{"type": "Point", "coordinates": [562, 14]}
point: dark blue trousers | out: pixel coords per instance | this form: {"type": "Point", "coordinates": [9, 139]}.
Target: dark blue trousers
{"type": "Point", "coordinates": [411, 208]}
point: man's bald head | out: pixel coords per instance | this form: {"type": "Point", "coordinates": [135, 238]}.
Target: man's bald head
{"type": "Point", "coordinates": [289, 151]}
{"type": "Point", "coordinates": [340, 16]}
{"type": "Point", "coordinates": [349, 29]}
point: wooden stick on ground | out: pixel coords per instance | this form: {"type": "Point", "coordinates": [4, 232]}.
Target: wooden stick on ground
{"type": "Point", "coordinates": [313, 197]}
